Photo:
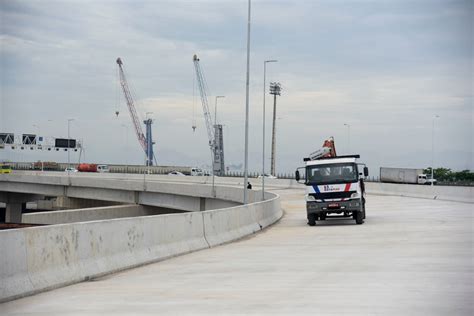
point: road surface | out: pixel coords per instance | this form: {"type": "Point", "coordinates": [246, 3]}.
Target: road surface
{"type": "Point", "coordinates": [411, 257]}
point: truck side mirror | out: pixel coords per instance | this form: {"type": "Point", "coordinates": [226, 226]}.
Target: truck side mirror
{"type": "Point", "coordinates": [366, 172]}
{"type": "Point", "coordinates": [297, 175]}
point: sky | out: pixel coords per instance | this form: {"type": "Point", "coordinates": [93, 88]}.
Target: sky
{"type": "Point", "coordinates": [385, 68]}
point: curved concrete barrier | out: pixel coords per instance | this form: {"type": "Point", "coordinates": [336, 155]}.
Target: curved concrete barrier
{"type": "Point", "coordinates": [225, 225]}
{"type": "Point", "coordinates": [447, 193]}
{"type": "Point", "coordinates": [92, 214]}
{"type": "Point", "coordinates": [46, 257]}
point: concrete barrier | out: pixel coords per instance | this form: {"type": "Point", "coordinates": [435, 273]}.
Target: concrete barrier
{"type": "Point", "coordinates": [93, 214]}
{"type": "Point", "coordinates": [46, 257]}
{"type": "Point", "coordinates": [447, 193]}
{"type": "Point", "coordinates": [228, 224]}
{"type": "Point", "coordinates": [14, 277]}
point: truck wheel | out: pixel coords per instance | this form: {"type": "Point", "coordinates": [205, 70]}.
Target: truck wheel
{"type": "Point", "coordinates": [359, 217]}
{"type": "Point", "coordinates": [311, 219]}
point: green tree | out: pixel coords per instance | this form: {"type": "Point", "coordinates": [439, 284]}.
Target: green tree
{"type": "Point", "coordinates": [440, 174]}
{"type": "Point", "coordinates": [447, 175]}
{"type": "Point", "coordinates": [465, 175]}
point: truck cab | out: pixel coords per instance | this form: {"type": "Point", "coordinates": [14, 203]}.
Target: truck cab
{"type": "Point", "coordinates": [422, 178]}
{"type": "Point", "coordinates": [426, 179]}
{"type": "Point", "coordinates": [196, 172]}
{"type": "Point", "coordinates": [334, 187]}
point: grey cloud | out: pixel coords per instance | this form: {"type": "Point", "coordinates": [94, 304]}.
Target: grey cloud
{"type": "Point", "coordinates": [385, 67]}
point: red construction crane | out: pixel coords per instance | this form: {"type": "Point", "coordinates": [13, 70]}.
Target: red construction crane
{"type": "Point", "coordinates": [145, 142]}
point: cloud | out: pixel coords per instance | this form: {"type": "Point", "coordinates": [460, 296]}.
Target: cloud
{"type": "Point", "coordinates": [385, 67]}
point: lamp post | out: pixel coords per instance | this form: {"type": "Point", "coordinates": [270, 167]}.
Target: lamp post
{"type": "Point", "coordinates": [37, 135]}
{"type": "Point", "coordinates": [215, 144]}
{"type": "Point", "coordinates": [263, 123]}
{"type": "Point", "coordinates": [126, 143]}
{"type": "Point", "coordinates": [247, 106]}
{"type": "Point", "coordinates": [275, 89]}
{"type": "Point", "coordinates": [348, 138]}
{"type": "Point", "coordinates": [38, 128]}
{"type": "Point", "coordinates": [68, 143]}
{"type": "Point", "coordinates": [432, 148]}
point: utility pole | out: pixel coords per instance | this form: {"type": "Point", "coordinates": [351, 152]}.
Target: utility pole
{"type": "Point", "coordinates": [432, 148]}
{"type": "Point", "coordinates": [68, 143]}
{"type": "Point", "coordinates": [263, 123]}
{"type": "Point", "coordinates": [126, 144]}
{"type": "Point", "coordinates": [275, 89]}
{"type": "Point", "coordinates": [247, 108]}
{"type": "Point", "coordinates": [348, 138]}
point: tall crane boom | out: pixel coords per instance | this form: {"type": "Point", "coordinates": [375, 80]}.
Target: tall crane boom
{"type": "Point", "coordinates": [145, 142]}
{"type": "Point", "coordinates": [216, 139]}
{"type": "Point", "coordinates": [205, 105]}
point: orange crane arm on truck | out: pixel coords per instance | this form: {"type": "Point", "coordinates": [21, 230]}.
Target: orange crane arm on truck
{"type": "Point", "coordinates": [328, 150]}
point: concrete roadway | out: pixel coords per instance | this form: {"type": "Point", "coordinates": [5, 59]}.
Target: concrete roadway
{"type": "Point", "coordinates": [411, 257]}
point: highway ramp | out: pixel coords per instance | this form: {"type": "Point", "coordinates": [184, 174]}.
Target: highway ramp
{"type": "Point", "coordinates": [412, 256]}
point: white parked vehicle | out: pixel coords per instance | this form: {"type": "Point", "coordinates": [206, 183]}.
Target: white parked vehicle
{"type": "Point", "coordinates": [268, 176]}
{"type": "Point", "coordinates": [103, 168]}
{"type": "Point", "coordinates": [70, 169]}
{"type": "Point", "coordinates": [176, 173]}
{"type": "Point", "coordinates": [405, 175]}
{"type": "Point", "coordinates": [197, 172]}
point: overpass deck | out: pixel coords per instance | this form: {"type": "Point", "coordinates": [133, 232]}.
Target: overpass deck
{"type": "Point", "coordinates": [412, 256]}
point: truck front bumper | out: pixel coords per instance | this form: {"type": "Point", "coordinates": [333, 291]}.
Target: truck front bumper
{"type": "Point", "coordinates": [333, 207]}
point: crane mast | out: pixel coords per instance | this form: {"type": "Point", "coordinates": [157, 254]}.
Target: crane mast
{"type": "Point", "coordinates": [145, 142]}
{"type": "Point", "coordinates": [216, 139]}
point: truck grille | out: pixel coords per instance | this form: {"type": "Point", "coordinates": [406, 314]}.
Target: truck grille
{"type": "Point", "coordinates": [332, 195]}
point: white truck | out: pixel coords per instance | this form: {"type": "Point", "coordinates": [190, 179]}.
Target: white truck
{"type": "Point", "coordinates": [335, 185]}
{"type": "Point", "coordinates": [405, 175]}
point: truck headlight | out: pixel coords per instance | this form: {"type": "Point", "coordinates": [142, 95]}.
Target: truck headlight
{"type": "Point", "coordinates": [310, 198]}
{"type": "Point", "coordinates": [355, 195]}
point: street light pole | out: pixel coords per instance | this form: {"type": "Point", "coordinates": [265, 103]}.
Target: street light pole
{"type": "Point", "coordinates": [275, 89]}
{"type": "Point", "coordinates": [263, 123]}
{"type": "Point", "coordinates": [38, 128]}
{"type": "Point", "coordinates": [247, 107]}
{"type": "Point", "coordinates": [432, 148]}
{"type": "Point", "coordinates": [215, 141]}
{"type": "Point", "coordinates": [126, 144]}
{"type": "Point", "coordinates": [348, 138]}
{"type": "Point", "coordinates": [68, 143]}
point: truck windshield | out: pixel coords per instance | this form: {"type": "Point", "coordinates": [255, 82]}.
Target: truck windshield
{"type": "Point", "coordinates": [332, 173]}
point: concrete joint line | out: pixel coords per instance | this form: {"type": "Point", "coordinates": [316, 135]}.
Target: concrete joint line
{"type": "Point", "coordinates": [204, 230]}
{"type": "Point", "coordinates": [27, 265]}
